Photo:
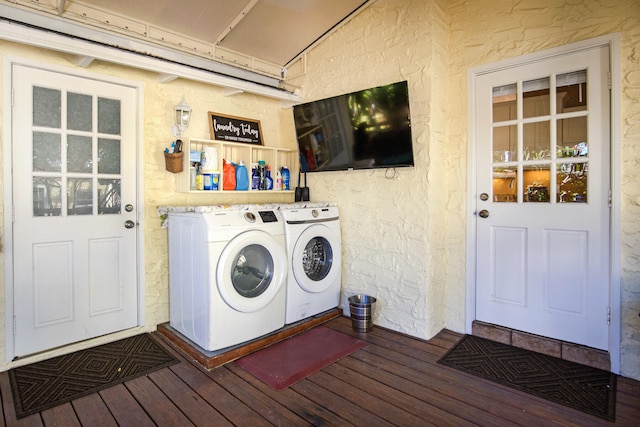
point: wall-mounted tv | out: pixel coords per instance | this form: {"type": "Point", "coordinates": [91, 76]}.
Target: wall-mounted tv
{"type": "Point", "coordinates": [361, 130]}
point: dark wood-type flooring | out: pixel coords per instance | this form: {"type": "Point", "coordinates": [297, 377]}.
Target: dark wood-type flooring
{"type": "Point", "coordinates": [395, 380]}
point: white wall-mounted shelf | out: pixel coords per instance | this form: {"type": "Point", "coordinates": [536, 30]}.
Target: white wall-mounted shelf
{"type": "Point", "coordinates": [276, 158]}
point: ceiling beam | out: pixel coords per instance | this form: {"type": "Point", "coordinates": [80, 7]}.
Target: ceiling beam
{"type": "Point", "coordinates": [61, 6]}
{"type": "Point", "coordinates": [236, 20]}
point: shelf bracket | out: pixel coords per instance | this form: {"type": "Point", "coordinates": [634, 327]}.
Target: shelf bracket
{"type": "Point", "coordinates": [166, 78]}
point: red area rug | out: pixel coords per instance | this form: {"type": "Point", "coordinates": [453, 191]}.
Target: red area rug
{"type": "Point", "coordinates": [294, 359]}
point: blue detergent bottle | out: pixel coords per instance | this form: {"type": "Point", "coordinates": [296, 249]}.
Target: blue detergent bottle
{"type": "Point", "coordinates": [286, 178]}
{"type": "Point", "coordinates": [255, 178]}
{"type": "Point", "coordinates": [242, 177]}
{"type": "Point", "coordinates": [269, 179]}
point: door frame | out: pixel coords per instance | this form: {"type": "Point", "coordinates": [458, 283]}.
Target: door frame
{"type": "Point", "coordinates": [613, 42]}
{"type": "Point", "coordinates": [7, 160]}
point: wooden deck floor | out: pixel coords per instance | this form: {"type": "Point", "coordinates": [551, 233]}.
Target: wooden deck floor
{"type": "Point", "coordinates": [393, 381]}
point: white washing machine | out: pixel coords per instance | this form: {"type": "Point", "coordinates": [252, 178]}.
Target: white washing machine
{"type": "Point", "coordinates": [227, 275]}
{"type": "Point", "coordinates": [314, 253]}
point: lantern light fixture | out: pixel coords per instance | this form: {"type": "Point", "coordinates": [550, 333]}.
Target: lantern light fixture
{"type": "Point", "coordinates": [182, 117]}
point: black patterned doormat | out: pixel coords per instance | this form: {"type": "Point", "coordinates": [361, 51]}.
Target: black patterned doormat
{"type": "Point", "coordinates": [49, 383]}
{"type": "Point", "coordinates": [584, 388]}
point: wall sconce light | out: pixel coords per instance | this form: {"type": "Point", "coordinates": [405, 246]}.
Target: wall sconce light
{"type": "Point", "coordinates": [182, 115]}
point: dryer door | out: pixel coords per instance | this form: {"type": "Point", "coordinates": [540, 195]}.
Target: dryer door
{"type": "Point", "coordinates": [317, 259]}
{"type": "Point", "coordinates": [251, 270]}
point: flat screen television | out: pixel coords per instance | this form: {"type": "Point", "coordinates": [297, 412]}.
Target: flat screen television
{"type": "Point", "coordinates": [360, 130]}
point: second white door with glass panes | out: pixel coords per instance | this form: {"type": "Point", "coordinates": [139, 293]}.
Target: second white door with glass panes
{"type": "Point", "coordinates": [542, 217]}
{"type": "Point", "coordinates": [75, 214]}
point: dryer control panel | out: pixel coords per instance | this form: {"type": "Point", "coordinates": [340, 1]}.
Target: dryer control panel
{"type": "Point", "coordinates": [268, 216]}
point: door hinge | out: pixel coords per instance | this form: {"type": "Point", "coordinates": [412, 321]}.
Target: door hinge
{"type": "Point", "coordinates": [609, 79]}
{"type": "Point", "coordinates": [609, 198]}
{"type": "Point", "coordinates": [608, 315]}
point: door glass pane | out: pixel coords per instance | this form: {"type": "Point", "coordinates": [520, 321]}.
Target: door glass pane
{"type": "Point", "coordinates": [79, 154]}
{"type": "Point", "coordinates": [536, 101]}
{"type": "Point", "coordinates": [47, 154]}
{"type": "Point", "coordinates": [79, 111]}
{"type": "Point", "coordinates": [504, 103]}
{"type": "Point", "coordinates": [572, 137]}
{"type": "Point", "coordinates": [109, 196]}
{"type": "Point", "coordinates": [79, 196]}
{"type": "Point", "coordinates": [572, 182]}
{"type": "Point", "coordinates": [505, 185]}
{"type": "Point", "coordinates": [505, 143]}
{"type": "Point", "coordinates": [536, 182]}
{"type": "Point", "coordinates": [537, 141]}
{"type": "Point", "coordinates": [252, 271]}
{"type": "Point", "coordinates": [46, 196]}
{"type": "Point", "coordinates": [571, 91]}
{"type": "Point", "coordinates": [109, 116]}
{"type": "Point", "coordinates": [108, 156]}
{"type": "Point", "coordinates": [47, 110]}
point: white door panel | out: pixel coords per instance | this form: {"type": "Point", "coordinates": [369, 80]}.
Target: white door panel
{"type": "Point", "coordinates": [542, 211]}
{"type": "Point", "coordinates": [74, 169]}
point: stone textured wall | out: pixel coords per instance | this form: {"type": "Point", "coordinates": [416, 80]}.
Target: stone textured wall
{"type": "Point", "coordinates": [393, 222]}
{"type": "Point", "coordinates": [160, 185]}
{"type": "Point", "coordinates": [405, 238]}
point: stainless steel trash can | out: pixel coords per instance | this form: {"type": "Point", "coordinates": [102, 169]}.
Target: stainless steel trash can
{"type": "Point", "coordinates": [361, 310]}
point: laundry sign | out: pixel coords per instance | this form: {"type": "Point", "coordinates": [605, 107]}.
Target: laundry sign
{"type": "Point", "coordinates": [234, 129]}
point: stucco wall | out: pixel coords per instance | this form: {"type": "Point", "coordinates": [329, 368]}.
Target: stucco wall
{"type": "Point", "coordinates": [405, 238]}
{"type": "Point", "coordinates": [160, 185]}
{"type": "Point", "coordinates": [393, 222]}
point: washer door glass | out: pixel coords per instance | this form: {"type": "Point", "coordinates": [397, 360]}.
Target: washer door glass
{"type": "Point", "coordinates": [252, 271]}
{"type": "Point", "coordinates": [317, 258]}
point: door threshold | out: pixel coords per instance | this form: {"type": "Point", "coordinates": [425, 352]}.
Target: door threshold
{"type": "Point", "coordinates": [584, 355]}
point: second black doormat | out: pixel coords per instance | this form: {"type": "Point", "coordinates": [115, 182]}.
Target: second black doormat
{"type": "Point", "coordinates": [55, 381]}
{"type": "Point", "coordinates": [584, 388]}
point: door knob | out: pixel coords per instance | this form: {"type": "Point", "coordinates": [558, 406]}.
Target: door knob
{"type": "Point", "coordinates": [484, 213]}
{"type": "Point", "coordinates": [129, 224]}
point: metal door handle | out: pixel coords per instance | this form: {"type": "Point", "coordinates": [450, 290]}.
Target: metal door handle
{"type": "Point", "coordinates": [129, 224]}
{"type": "Point", "coordinates": [484, 213]}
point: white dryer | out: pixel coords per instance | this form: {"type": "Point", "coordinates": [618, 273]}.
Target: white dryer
{"type": "Point", "coordinates": [227, 275]}
{"type": "Point", "coordinates": [314, 253]}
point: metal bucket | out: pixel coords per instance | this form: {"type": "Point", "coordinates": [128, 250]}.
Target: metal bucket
{"type": "Point", "coordinates": [361, 310]}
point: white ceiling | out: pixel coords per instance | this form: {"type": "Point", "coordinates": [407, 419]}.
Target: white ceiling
{"type": "Point", "coordinates": [272, 32]}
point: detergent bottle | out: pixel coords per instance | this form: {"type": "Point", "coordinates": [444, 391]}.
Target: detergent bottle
{"type": "Point", "coordinates": [269, 179]}
{"type": "Point", "coordinates": [242, 177]}
{"type": "Point", "coordinates": [228, 175]}
{"type": "Point", "coordinates": [286, 178]}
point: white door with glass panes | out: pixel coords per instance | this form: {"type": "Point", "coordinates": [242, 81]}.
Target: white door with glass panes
{"type": "Point", "coordinates": [542, 210]}
{"type": "Point", "coordinates": [75, 214]}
